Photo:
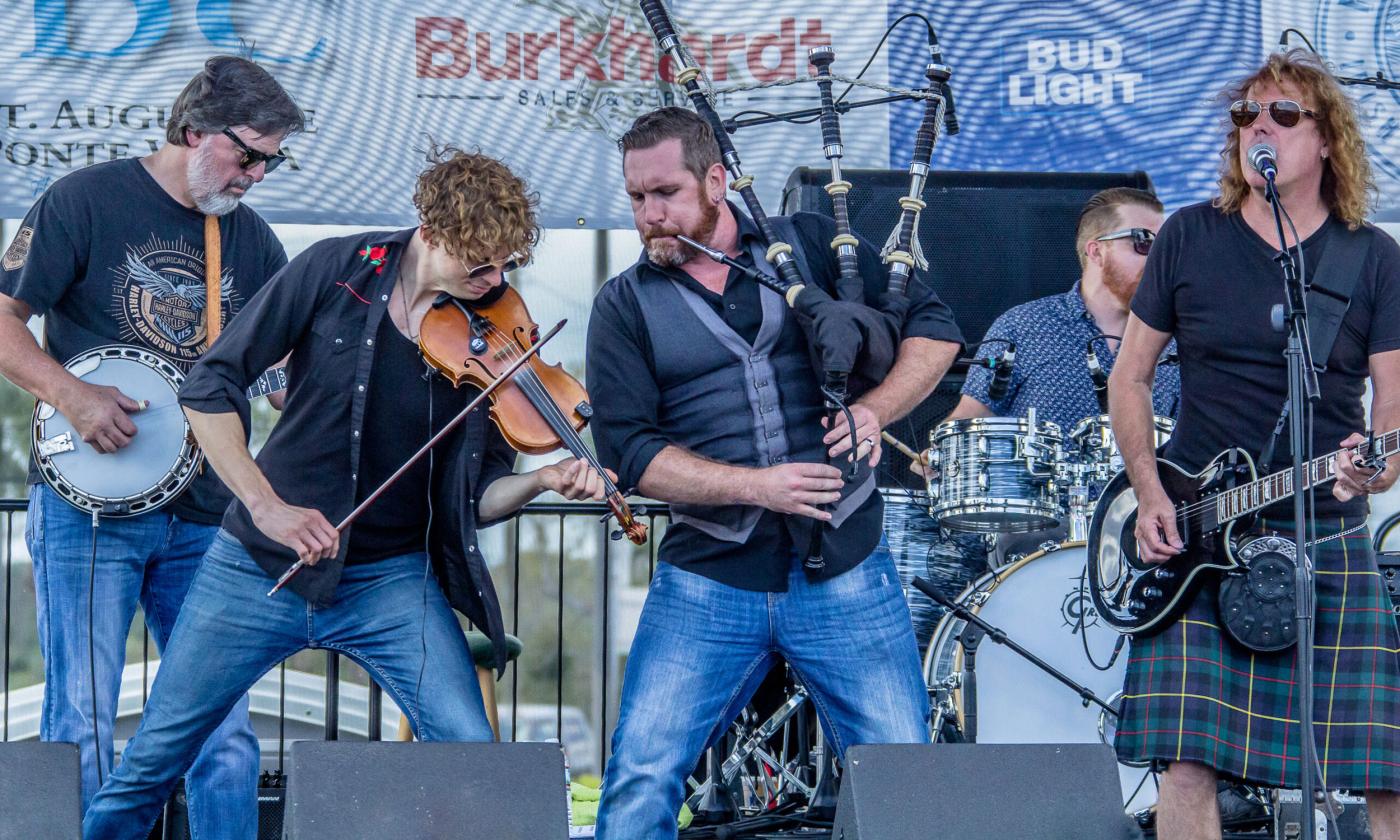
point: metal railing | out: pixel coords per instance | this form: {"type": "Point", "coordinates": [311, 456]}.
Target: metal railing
{"type": "Point", "coordinates": [541, 563]}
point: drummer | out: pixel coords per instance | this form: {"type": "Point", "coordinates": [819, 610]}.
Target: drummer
{"type": "Point", "coordinates": [1116, 229]}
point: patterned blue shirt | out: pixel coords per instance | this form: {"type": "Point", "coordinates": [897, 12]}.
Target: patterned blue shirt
{"type": "Point", "coordinates": [1050, 371]}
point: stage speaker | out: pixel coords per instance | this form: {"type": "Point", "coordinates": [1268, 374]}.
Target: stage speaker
{"type": "Point", "coordinates": [40, 795]}
{"type": "Point", "coordinates": [982, 792]}
{"type": "Point", "coordinates": [340, 790]}
{"type": "Point", "coordinates": [993, 240]}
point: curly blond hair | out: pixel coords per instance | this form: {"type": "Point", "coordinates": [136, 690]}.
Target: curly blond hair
{"type": "Point", "coordinates": [475, 207]}
{"type": "Point", "coordinates": [1347, 185]}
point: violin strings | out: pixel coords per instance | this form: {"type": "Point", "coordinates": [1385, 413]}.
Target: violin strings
{"type": "Point", "coordinates": [532, 385]}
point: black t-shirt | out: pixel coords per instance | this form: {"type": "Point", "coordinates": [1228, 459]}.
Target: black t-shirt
{"type": "Point", "coordinates": [396, 425]}
{"type": "Point", "coordinates": [1212, 282]}
{"type": "Point", "coordinates": [108, 257]}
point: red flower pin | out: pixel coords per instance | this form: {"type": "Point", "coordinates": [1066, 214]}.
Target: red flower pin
{"type": "Point", "coordinates": [375, 255]}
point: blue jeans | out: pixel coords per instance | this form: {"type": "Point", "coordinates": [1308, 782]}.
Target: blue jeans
{"type": "Point", "coordinates": [700, 649]}
{"type": "Point", "coordinates": [151, 558]}
{"type": "Point", "coordinates": [387, 616]}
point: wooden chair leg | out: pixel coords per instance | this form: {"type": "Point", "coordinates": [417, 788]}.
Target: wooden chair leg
{"type": "Point", "coordinates": [486, 677]}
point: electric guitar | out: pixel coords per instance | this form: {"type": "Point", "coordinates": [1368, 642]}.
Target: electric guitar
{"type": "Point", "coordinates": [1214, 511]}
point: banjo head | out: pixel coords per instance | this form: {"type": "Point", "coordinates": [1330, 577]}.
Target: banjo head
{"type": "Point", "coordinates": [147, 473]}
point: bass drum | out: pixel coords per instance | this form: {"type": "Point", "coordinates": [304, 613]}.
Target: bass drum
{"type": "Point", "coordinates": [1043, 603]}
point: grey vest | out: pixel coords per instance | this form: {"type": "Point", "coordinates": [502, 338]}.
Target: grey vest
{"type": "Point", "coordinates": [709, 377]}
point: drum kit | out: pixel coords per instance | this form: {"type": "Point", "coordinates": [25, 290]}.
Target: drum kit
{"type": "Point", "coordinates": [1001, 534]}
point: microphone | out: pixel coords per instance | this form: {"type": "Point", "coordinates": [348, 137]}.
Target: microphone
{"type": "Point", "coordinates": [1096, 374]}
{"type": "Point", "coordinates": [935, 56]}
{"type": "Point", "coordinates": [1001, 376]}
{"type": "Point", "coordinates": [1262, 160]}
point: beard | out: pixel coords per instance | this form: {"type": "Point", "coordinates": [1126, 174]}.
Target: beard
{"type": "Point", "coordinates": [210, 195]}
{"type": "Point", "coordinates": [1121, 282]}
{"type": "Point", "coordinates": [674, 252]}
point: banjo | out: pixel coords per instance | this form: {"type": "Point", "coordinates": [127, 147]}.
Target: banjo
{"type": "Point", "coordinates": [161, 460]}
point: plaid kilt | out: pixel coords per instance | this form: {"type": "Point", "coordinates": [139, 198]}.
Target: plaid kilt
{"type": "Point", "coordinates": [1192, 694]}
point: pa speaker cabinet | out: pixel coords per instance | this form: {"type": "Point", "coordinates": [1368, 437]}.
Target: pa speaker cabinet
{"type": "Point", "coordinates": [981, 792]}
{"type": "Point", "coordinates": [993, 239]}
{"type": "Point", "coordinates": [341, 790]}
{"type": "Point", "coordinates": [39, 791]}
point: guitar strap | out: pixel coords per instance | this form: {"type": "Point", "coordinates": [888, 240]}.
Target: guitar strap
{"type": "Point", "coordinates": [1328, 298]}
{"type": "Point", "coordinates": [213, 274]}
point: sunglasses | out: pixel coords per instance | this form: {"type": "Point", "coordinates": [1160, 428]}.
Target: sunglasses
{"type": "Point", "coordinates": [252, 157]}
{"type": "Point", "coordinates": [486, 268]}
{"type": "Point", "coordinates": [1285, 112]}
{"type": "Point", "coordinates": [1142, 239]}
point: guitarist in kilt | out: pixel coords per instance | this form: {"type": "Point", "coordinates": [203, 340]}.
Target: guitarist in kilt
{"type": "Point", "coordinates": [1194, 699]}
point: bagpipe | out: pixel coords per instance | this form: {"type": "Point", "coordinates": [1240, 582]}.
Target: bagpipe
{"type": "Point", "coordinates": [853, 344]}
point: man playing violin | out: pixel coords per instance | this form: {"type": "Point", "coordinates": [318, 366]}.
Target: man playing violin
{"type": "Point", "coordinates": [115, 254]}
{"type": "Point", "coordinates": [705, 398]}
{"type": "Point", "coordinates": [359, 403]}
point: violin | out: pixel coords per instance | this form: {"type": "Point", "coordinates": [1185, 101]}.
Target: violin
{"type": "Point", "coordinates": [541, 408]}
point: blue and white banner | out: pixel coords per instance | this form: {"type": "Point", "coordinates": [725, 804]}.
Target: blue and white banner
{"type": "Point", "coordinates": [549, 85]}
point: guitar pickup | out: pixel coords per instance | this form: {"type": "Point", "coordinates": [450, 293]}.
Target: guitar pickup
{"type": "Point", "coordinates": [48, 447]}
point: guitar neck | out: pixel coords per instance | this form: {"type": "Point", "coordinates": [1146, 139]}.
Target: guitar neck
{"type": "Point", "coordinates": [1259, 494]}
{"type": "Point", "coordinates": [270, 382]}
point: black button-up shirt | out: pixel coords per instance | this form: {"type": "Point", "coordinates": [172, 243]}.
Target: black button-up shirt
{"type": "Point", "coordinates": [626, 394]}
{"type": "Point", "coordinates": [325, 309]}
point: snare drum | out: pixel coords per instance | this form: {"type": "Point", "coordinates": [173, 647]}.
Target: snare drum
{"type": "Point", "coordinates": [995, 475]}
{"type": "Point", "coordinates": [1043, 603]}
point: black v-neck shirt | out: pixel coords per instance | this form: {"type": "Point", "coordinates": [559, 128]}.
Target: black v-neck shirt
{"type": "Point", "coordinates": [1211, 282]}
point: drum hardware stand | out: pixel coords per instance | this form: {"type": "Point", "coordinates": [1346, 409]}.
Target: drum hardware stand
{"type": "Point", "coordinates": [1078, 513]}
{"type": "Point", "coordinates": [797, 776]}
{"type": "Point", "coordinates": [821, 805]}
{"type": "Point", "coordinates": [944, 712]}
{"type": "Point", "coordinates": [716, 805]}
{"type": "Point", "coordinates": [970, 638]}
{"type": "Point", "coordinates": [1000, 637]}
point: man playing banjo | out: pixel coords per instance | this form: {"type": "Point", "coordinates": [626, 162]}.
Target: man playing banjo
{"type": "Point", "coordinates": [131, 271]}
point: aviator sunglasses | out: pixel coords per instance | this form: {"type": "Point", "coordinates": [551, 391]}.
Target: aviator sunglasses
{"type": "Point", "coordinates": [1142, 238]}
{"type": "Point", "coordinates": [486, 268]}
{"type": "Point", "coordinates": [1285, 112]}
{"type": "Point", "coordinates": [252, 157]}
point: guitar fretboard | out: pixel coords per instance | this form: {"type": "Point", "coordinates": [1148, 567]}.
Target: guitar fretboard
{"type": "Point", "coordinates": [1259, 494]}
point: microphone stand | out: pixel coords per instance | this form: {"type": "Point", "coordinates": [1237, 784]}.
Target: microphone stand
{"type": "Point", "coordinates": [1303, 390]}
{"type": "Point", "coordinates": [1086, 694]}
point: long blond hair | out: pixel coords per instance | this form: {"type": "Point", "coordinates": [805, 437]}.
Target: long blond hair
{"type": "Point", "coordinates": [1347, 185]}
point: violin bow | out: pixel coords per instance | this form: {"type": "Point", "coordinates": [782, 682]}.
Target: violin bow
{"type": "Point", "coordinates": [423, 450]}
